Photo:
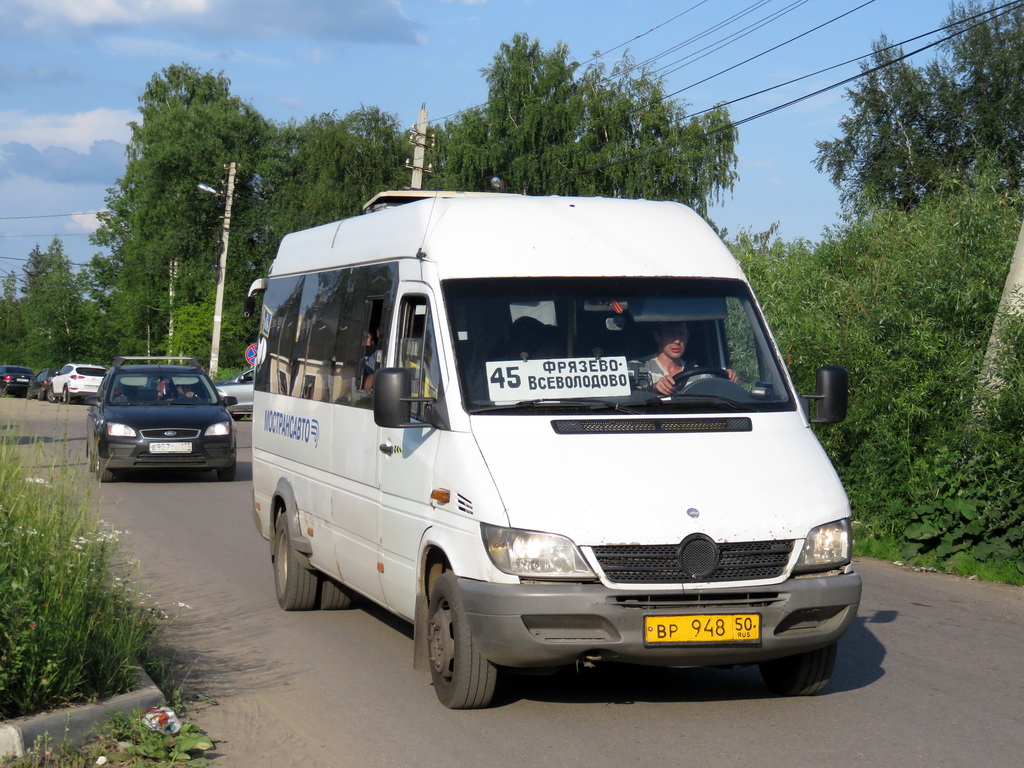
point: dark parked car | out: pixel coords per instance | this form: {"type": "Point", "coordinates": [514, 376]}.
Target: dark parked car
{"type": "Point", "coordinates": [14, 379]}
{"type": "Point", "coordinates": [159, 416]}
{"type": "Point", "coordinates": [41, 387]}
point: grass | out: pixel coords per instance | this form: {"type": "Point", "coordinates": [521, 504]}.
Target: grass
{"type": "Point", "coordinates": [73, 628]}
{"type": "Point", "coordinates": [885, 546]}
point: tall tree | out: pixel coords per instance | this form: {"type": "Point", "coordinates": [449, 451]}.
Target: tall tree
{"type": "Point", "coordinates": [335, 165]}
{"type": "Point", "coordinates": [547, 130]}
{"type": "Point", "coordinates": [910, 130]}
{"type": "Point", "coordinates": [162, 231]}
{"type": "Point", "coordinates": [12, 326]}
{"type": "Point", "coordinates": [53, 311]}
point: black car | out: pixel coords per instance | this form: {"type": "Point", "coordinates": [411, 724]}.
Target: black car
{"type": "Point", "coordinates": [14, 379]}
{"type": "Point", "coordinates": [41, 387]}
{"type": "Point", "coordinates": [159, 416]}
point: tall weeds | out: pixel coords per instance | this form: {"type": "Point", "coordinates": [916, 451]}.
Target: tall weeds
{"type": "Point", "coordinates": [70, 631]}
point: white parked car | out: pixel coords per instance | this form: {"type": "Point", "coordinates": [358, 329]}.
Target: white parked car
{"type": "Point", "coordinates": [76, 381]}
{"type": "Point", "coordinates": [240, 387]}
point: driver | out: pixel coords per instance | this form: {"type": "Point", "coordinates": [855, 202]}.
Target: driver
{"type": "Point", "coordinates": [668, 361]}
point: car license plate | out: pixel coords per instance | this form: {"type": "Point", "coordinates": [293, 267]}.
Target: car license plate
{"type": "Point", "coordinates": [170, 448]}
{"type": "Point", "coordinates": [703, 628]}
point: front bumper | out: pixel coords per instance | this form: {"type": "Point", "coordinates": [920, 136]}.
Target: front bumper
{"type": "Point", "coordinates": [207, 453]}
{"type": "Point", "coordinates": [547, 625]}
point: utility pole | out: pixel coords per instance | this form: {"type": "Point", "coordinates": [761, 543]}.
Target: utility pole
{"type": "Point", "coordinates": [1011, 303]}
{"type": "Point", "coordinates": [419, 138]}
{"type": "Point", "coordinates": [222, 265]}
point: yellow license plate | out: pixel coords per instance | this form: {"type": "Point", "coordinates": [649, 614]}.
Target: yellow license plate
{"type": "Point", "coordinates": [703, 628]}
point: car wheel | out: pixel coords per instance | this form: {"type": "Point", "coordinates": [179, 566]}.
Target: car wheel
{"type": "Point", "coordinates": [65, 396]}
{"type": "Point", "coordinates": [227, 474]}
{"type": "Point", "coordinates": [296, 584]}
{"type": "Point", "coordinates": [334, 596]}
{"type": "Point", "coordinates": [463, 678]}
{"type": "Point", "coordinates": [802, 675]}
{"type": "Point", "coordinates": [41, 394]}
{"type": "Point", "coordinates": [103, 474]}
{"type": "Point", "coordinates": [51, 396]}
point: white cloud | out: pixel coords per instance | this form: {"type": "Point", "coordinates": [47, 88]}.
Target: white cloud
{"type": "Point", "coordinates": [40, 15]}
{"type": "Point", "coordinates": [366, 21]}
{"type": "Point", "coordinates": [77, 131]}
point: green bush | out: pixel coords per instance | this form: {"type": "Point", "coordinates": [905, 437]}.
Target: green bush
{"type": "Point", "coordinates": [70, 631]}
{"type": "Point", "coordinates": [906, 302]}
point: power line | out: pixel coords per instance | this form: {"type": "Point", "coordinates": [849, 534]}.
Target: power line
{"type": "Point", "coordinates": [995, 13]}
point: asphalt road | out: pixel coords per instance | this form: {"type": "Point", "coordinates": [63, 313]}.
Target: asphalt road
{"type": "Point", "coordinates": [930, 675]}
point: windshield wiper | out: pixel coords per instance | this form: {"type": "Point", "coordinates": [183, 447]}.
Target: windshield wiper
{"type": "Point", "coordinates": [589, 405]}
{"type": "Point", "coordinates": [716, 401]}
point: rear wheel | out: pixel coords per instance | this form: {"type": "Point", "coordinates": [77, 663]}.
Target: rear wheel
{"type": "Point", "coordinates": [334, 596]}
{"type": "Point", "coordinates": [65, 395]}
{"type": "Point", "coordinates": [51, 396]}
{"type": "Point", "coordinates": [463, 678]}
{"type": "Point", "coordinates": [296, 584]}
{"type": "Point", "coordinates": [41, 394]}
{"type": "Point", "coordinates": [802, 675]}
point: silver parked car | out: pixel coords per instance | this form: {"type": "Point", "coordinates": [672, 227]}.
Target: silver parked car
{"type": "Point", "coordinates": [240, 387]}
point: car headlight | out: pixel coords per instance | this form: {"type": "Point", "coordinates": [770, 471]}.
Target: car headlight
{"type": "Point", "coordinates": [119, 430]}
{"type": "Point", "coordinates": [220, 428]}
{"type": "Point", "coordinates": [827, 546]}
{"type": "Point", "coordinates": [534, 555]}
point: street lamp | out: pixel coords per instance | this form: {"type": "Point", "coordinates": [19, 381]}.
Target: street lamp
{"type": "Point", "coordinates": [221, 264]}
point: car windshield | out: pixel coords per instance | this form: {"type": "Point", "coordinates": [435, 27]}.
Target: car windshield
{"type": "Point", "coordinates": [137, 388]}
{"type": "Point", "coordinates": [530, 345]}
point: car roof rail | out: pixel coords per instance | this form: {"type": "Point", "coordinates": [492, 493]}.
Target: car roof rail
{"type": "Point", "coordinates": [193, 361]}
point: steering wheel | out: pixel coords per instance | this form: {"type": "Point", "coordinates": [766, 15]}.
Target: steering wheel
{"type": "Point", "coordinates": [681, 379]}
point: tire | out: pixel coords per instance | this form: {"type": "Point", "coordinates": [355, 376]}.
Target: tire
{"type": "Point", "coordinates": [65, 396]}
{"type": "Point", "coordinates": [103, 474]}
{"type": "Point", "coordinates": [334, 596]}
{"type": "Point", "coordinates": [802, 675]}
{"type": "Point", "coordinates": [227, 474]}
{"type": "Point", "coordinates": [41, 394]}
{"type": "Point", "coordinates": [296, 585]}
{"type": "Point", "coordinates": [462, 677]}
{"type": "Point", "coordinates": [51, 396]}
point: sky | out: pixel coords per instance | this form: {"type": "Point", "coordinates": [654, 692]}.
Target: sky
{"type": "Point", "coordinates": [72, 71]}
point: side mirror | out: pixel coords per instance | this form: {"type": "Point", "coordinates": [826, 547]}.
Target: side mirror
{"type": "Point", "coordinates": [832, 396]}
{"type": "Point", "coordinates": [392, 390]}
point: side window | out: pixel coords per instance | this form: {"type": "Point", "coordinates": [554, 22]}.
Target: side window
{"type": "Point", "coordinates": [361, 338]}
{"type": "Point", "coordinates": [280, 325]}
{"type": "Point", "coordinates": [417, 351]}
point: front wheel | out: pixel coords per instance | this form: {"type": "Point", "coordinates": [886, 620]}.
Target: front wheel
{"type": "Point", "coordinates": [463, 678]}
{"type": "Point", "coordinates": [802, 675]}
{"type": "Point", "coordinates": [227, 474]}
{"type": "Point", "coordinates": [296, 584]}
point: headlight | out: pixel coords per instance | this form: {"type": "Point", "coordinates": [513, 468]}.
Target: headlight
{"type": "Point", "coordinates": [220, 428]}
{"type": "Point", "coordinates": [827, 546]}
{"type": "Point", "coordinates": [119, 430]}
{"type": "Point", "coordinates": [534, 555]}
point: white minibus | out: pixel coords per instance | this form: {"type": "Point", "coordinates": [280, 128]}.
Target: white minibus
{"type": "Point", "coordinates": [547, 431]}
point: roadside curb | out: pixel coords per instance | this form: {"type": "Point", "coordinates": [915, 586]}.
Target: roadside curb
{"type": "Point", "coordinates": [74, 724]}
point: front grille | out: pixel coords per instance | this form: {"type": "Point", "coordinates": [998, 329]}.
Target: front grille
{"type": "Point", "coordinates": [161, 434]}
{"type": "Point", "coordinates": [662, 564]}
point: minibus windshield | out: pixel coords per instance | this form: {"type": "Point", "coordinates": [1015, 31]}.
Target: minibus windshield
{"type": "Point", "coordinates": [550, 345]}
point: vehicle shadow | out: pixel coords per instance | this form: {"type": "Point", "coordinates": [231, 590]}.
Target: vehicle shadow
{"type": "Point", "coordinates": [243, 473]}
{"type": "Point", "coordinates": [859, 664]}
